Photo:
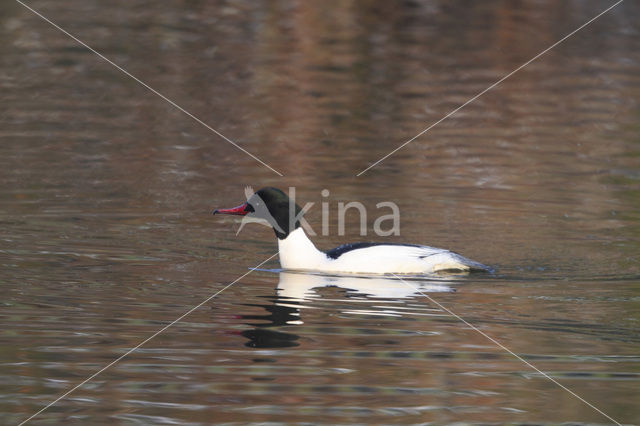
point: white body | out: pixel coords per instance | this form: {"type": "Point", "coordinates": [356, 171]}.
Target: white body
{"type": "Point", "coordinates": [297, 252]}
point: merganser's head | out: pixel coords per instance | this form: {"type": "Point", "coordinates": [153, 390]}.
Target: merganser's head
{"type": "Point", "coordinates": [272, 205]}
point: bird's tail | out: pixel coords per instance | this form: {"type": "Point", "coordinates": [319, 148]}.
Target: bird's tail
{"type": "Point", "coordinates": [462, 263]}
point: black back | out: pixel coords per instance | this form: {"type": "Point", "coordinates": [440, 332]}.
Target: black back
{"type": "Point", "coordinates": [339, 251]}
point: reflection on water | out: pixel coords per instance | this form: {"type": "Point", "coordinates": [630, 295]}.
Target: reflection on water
{"type": "Point", "coordinates": [296, 292]}
{"type": "Point", "coordinates": [301, 286]}
{"type": "Point", "coordinates": [105, 190]}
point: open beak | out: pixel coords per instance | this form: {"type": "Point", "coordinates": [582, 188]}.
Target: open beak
{"type": "Point", "coordinates": [241, 210]}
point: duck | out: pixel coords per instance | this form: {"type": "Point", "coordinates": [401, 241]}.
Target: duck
{"type": "Point", "coordinates": [298, 253]}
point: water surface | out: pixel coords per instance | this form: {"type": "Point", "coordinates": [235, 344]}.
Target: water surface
{"type": "Point", "coordinates": [106, 189]}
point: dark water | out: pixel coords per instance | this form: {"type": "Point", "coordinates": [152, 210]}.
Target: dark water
{"type": "Point", "coordinates": [105, 191]}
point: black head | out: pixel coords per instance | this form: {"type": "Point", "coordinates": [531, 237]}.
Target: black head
{"type": "Point", "coordinates": [272, 205]}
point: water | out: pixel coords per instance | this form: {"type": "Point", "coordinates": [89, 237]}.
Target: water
{"type": "Point", "coordinates": [106, 188]}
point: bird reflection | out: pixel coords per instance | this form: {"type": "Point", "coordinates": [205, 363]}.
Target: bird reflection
{"type": "Point", "coordinates": [279, 315]}
{"type": "Point", "coordinates": [299, 290]}
{"type": "Point", "coordinates": [301, 286]}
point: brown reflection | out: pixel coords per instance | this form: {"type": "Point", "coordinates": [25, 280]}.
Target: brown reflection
{"type": "Point", "coordinates": [105, 188]}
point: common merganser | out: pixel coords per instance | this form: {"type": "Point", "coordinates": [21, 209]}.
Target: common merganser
{"type": "Point", "coordinates": [297, 252]}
